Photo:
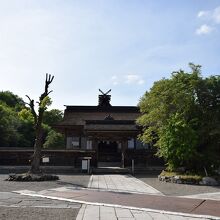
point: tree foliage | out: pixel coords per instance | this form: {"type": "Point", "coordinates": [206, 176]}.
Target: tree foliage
{"type": "Point", "coordinates": [8, 126]}
{"type": "Point", "coordinates": [177, 143]}
{"type": "Point", "coordinates": [181, 115]}
{"type": "Point", "coordinates": [12, 100]}
{"type": "Point", "coordinates": [17, 123]}
{"type": "Point", "coordinates": [26, 128]}
{"type": "Point", "coordinates": [52, 117]}
{"type": "Point", "coordinates": [54, 140]}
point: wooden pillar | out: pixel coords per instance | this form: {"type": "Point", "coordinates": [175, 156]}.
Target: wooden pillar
{"type": "Point", "coordinates": [123, 149]}
{"type": "Point", "coordinates": [65, 136]}
{"type": "Point", "coordinates": [95, 147]}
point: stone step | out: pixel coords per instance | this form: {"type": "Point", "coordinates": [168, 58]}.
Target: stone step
{"type": "Point", "coordinates": [109, 164]}
{"type": "Point", "coordinates": [110, 170]}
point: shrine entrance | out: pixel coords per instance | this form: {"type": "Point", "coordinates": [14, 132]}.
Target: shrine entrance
{"type": "Point", "coordinates": [109, 151]}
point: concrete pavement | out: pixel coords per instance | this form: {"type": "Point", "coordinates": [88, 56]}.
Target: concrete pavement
{"type": "Point", "coordinates": [125, 197]}
{"type": "Point", "coordinates": [19, 207]}
{"type": "Point", "coordinates": [209, 196]}
{"type": "Point", "coordinates": [121, 183]}
{"type": "Point", "coordinates": [90, 212]}
{"type": "Point", "coordinates": [9, 199]}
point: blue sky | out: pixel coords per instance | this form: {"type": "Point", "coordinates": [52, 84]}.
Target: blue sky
{"type": "Point", "coordinates": [123, 45]}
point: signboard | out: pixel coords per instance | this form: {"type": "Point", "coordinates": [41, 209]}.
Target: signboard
{"type": "Point", "coordinates": [45, 159]}
{"type": "Point", "coordinates": [131, 144]}
{"type": "Point", "coordinates": [75, 143]}
{"type": "Point", "coordinates": [84, 164]}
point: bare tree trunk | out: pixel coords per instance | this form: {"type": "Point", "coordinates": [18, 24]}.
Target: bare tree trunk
{"type": "Point", "coordinates": [35, 163]}
{"type": "Point", "coordinates": [38, 119]}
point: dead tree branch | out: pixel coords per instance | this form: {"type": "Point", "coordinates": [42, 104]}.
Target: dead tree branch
{"type": "Point", "coordinates": [31, 105]}
{"type": "Point", "coordinates": [38, 120]}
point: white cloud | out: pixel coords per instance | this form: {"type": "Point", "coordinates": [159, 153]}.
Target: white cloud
{"type": "Point", "coordinates": [114, 80]}
{"type": "Point", "coordinates": [216, 15]}
{"type": "Point", "coordinates": [141, 81]}
{"type": "Point", "coordinates": [204, 29]}
{"type": "Point", "coordinates": [132, 79]}
{"type": "Point", "coordinates": [211, 15]}
{"type": "Point", "coordinates": [213, 19]}
{"type": "Point", "coordinates": [203, 14]}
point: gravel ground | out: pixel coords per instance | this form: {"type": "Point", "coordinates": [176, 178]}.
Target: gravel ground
{"type": "Point", "coordinates": [33, 213]}
{"type": "Point", "coordinates": [172, 189]}
{"type": "Point", "coordinates": [65, 180]}
{"type": "Point", "coordinates": [82, 181]}
{"type": "Point", "coordinates": [15, 206]}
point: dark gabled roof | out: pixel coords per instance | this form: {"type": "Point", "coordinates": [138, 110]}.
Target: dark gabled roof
{"type": "Point", "coordinates": [123, 109]}
{"type": "Point", "coordinates": [112, 122]}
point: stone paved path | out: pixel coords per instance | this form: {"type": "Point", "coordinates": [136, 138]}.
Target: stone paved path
{"type": "Point", "coordinates": [91, 212]}
{"type": "Point", "coordinates": [121, 183]}
{"type": "Point", "coordinates": [118, 187]}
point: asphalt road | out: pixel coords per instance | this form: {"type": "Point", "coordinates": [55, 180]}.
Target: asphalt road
{"type": "Point", "coordinates": [171, 189]}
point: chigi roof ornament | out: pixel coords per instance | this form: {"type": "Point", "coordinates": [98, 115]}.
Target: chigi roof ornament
{"type": "Point", "coordinates": [109, 118]}
{"type": "Point", "coordinates": [104, 99]}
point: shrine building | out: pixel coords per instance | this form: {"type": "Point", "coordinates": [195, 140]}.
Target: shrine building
{"type": "Point", "coordinates": [109, 132]}
{"type": "Point", "coordinates": [106, 134]}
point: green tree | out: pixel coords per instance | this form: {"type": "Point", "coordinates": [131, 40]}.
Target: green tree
{"type": "Point", "coordinates": [52, 117]}
{"type": "Point", "coordinates": [208, 104]}
{"type": "Point", "coordinates": [8, 127]}
{"type": "Point", "coordinates": [10, 122]}
{"type": "Point", "coordinates": [181, 116]}
{"type": "Point", "coordinates": [54, 140]}
{"type": "Point", "coordinates": [26, 128]}
{"type": "Point", "coordinates": [12, 100]}
{"type": "Point", "coordinates": [17, 123]}
{"type": "Point", "coordinates": [178, 143]}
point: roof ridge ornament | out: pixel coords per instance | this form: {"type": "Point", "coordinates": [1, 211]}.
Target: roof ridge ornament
{"type": "Point", "coordinates": [109, 118]}
{"type": "Point", "coordinates": [105, 98]}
